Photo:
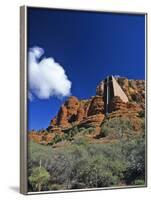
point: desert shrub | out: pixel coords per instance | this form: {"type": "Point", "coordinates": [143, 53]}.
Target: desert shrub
{"type": "Point", "coordinates": [81, 129]}
{"type": "Point", "coordinates": [100, 168]}
{"type": "Point", "coordinates": [90, 130]}
{"type": "Point", "coordinates": [70, 133]}
{"type": "Point", "coordinates": [38, 178]}
{"type": "Point", "coordinates": [60, 169]}
{"type": "Point", "coordinates": [57, 138]}
{"type": "Point", "coordinates": [141, 113]}
{"type": "Point", "coordinates": [105, 131]}
{"type": "Point", "coordinates": [94, 171]}
{"type": "Point", "coordinates": [75, 130]}
{"type": "Point", "coordinates": [85, 165]}
{"type": "Point", "coordinates": [77, 185]}
{"type": "Point", "coordinates": [139, 182]}
{"type": "Point", "coordinates": [84, 131]}
{"type": "Point", "coordinates": [50, 143]}
{"type": "Point", "coordinates": [99, 174]}
{"type": "Point", "coordinates": [116, 127]}
{"type": "Point", "coordinates": [38, 153]}
{"type": "Point", "coordinates": [134, 152]}
{"type": "Point", "coordinates": [79, 141]}
{"type": "Point", "coordinates": [87, 126]}
{"type": "Point", "coordinates": [54, 186]}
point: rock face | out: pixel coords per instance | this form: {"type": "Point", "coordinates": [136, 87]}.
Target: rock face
{"type": "Point", "coordinates": [75, 112]}
{"type": "Point", "coordinates": [80, 114]}
{"type": "Point", "coordinates": [96, 106]}
{"type": "Point", "coordinates": [118, 104]}
{"type": "Point", "coordinates": [40, 138]}
{"type": "Point", "coordinates": [62, 117]}
{"type": "Point", "coordinates": [69, 112]}
{"type": "Point", "coordinates": [134, 89]}
{"type": "Point", "coordinates": [93, 120]}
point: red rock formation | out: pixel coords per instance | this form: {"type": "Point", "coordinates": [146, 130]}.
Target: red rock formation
{"type": "Point", "coordinates": [79, 111]}
{"type": "Point", "coordinates": [93, 119]}
{"type": "Point", "coordinates": [62, 117]}
{"type": "Point", "coordinates": [85, 104]}
{"type": "Point", "coordinates": [40, 137]}
{"type": "Point", "coordinates": [118, 104]}
{"type": "Point", "coordinates": [96, 106]}
{"type": "Point", "coordinates": [80, 114]}
{"type": "Point", "coordinates": [134, 89]}
{"type": "Point", "coordinates": [67, 113]}
{"type": "Point", "coordinates": [72, 105]}
{"type": "Point", "coordinates": [91, 111]}
{"type": "Point", "coordinates": [75, 111]}
{"type": "Point", "coordinates": [54, 121]}
{"type": "Point", "coordinates": [129, 110]}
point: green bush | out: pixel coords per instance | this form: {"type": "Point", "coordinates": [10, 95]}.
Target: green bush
{"type": "Point", "coordinates": [79, 141]}
{"type": "Point", "coordinates": [134, 152]}
{"type": "Point", "coordinates": [139, 182]}
{"type": "Point", "coordinates": [90, 130]}
{"type": "Point", "coordinates": [85, 165]}
{"type": "Point", "coordinates": [70, 133]}
{"type": "Point", "coordinates": [81, 129]}
{"type": "Point", "coordinates": [38, 153]}
{"type": "Point", "coordinates": [57, 138]}
{"type": "Point", "coordinates": [54, 187]}
{"type": "Point", "coordinates": [141, 113]}
{"type": "Point", "coordinates": [38, 178]}
{"type": "Point", "coordinates": [105, 131]}
{"type": "Point", "coordinates": [116, 127]}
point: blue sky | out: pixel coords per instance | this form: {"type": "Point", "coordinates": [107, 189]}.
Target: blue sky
{"type": "Point", "coordinates": [89, 46]}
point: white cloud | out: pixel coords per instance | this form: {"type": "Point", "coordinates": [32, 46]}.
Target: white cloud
{"type": "Point", "coordinates": [45, 77]}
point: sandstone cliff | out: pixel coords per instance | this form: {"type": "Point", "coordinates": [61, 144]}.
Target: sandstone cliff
{"type": "Point", "coordinates": [90, 112]}
{"type": "Point", "coordinates": [134, 89]}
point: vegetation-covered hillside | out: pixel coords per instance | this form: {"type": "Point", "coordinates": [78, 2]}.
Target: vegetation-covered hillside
{"type": "Point", "coordinates": [76, 162]}
{"type": "Point", "coordinates": [83, 147]}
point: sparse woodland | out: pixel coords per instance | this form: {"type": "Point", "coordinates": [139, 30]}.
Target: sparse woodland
{"type": "Point", "coordinates": [80, 164]}
{"type": "Point", "coordinates": [85, 148]}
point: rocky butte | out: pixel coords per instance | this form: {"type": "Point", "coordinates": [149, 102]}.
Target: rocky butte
{"type": "Point", "coordinates": [115, 97]}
